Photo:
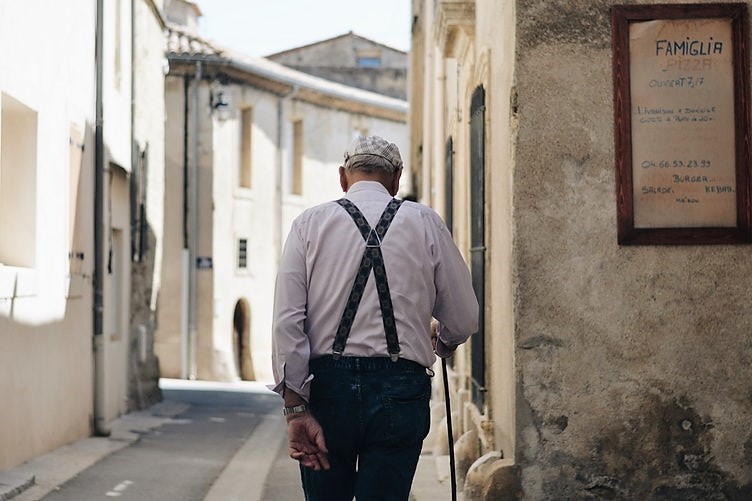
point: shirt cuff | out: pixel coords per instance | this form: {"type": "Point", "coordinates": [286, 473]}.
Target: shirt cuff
{"type": "Point", "coordinates": [443, 350]}
{"type": "Point", "coordinates": [304, 390]}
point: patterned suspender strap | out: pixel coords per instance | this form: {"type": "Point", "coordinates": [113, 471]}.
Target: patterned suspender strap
{"type": "Point", "coordinates": [372, 258]}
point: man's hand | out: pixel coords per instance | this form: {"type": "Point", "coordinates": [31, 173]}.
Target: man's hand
{"type": "Point", "coordinates": [305, 439]}
{"type": "Point", "coordinates": [434, 333]}
{"type": "Point", "coordinates": [441, 349]}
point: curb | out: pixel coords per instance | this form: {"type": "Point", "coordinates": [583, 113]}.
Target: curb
{"type": "Point", "coordinates": [245, 475]}
{"type": "Point", "coordinates": [14, 483]}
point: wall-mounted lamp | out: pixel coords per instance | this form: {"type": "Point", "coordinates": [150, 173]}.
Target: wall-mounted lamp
{"type": "Point", "coordinates": [220, 106]}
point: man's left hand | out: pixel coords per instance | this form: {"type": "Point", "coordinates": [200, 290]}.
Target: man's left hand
{"type": "Point", "coordinates": [306, 441]}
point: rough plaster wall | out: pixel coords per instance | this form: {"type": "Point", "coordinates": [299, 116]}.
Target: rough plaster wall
{"type": "Point", "coordinates": [634, 363]}
{"type": "Point", "coordinates": [143, 375]}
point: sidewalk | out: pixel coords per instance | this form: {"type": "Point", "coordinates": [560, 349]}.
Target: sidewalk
{"type": "Point", "coordinates": [259, 471]}
{"type": "Point", "coordinates": [40, 476]}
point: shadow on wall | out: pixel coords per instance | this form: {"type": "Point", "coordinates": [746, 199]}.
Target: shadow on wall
{"type": "Point", "coordinates": [143, 366]}
{"type": "Point", "coordinates": [143, 369]}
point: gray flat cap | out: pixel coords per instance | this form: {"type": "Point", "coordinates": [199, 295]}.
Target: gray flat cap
{"type": "Point", "coordinates": [375, 145]}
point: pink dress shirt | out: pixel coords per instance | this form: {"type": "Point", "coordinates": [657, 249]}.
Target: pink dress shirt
{"type": "Point", "coordinates": [427, 278]}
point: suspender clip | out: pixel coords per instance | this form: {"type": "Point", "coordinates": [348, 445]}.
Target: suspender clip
{"type": "Point", "coordinates": [373, 239]}
{"type": "Point", "coordinates": [394, 356]}
{"type": "Point", "coordinates": [336, 354]}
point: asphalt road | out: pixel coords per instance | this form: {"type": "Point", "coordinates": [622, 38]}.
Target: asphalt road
{"type": "Point", "coordinates": [181, 459]}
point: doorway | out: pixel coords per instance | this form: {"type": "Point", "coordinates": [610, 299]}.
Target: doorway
{"type": "Point", "coordinates": [241, 334]}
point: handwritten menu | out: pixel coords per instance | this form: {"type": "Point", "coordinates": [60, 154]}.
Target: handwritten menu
{"type": "Point", "coordinates": [682, 89]}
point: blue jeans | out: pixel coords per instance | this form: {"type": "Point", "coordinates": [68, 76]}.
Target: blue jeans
{"type": "Point", "coordinates": [375, 415]}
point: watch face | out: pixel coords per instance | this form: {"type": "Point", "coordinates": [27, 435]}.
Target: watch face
{"type": "Point", "coordinates": [294, 410]}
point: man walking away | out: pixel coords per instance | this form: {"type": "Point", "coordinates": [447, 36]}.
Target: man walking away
{"type": "Point", "coordinates": [359, 281]}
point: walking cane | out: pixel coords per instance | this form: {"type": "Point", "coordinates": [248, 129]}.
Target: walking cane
{"type": "Point", "coordinates": [452, 471]}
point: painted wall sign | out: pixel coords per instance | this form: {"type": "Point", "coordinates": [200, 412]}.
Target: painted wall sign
{"type": "Point", "coordinates": [682, 123]}
{"type": "Point", "coordinates": [204, 262]}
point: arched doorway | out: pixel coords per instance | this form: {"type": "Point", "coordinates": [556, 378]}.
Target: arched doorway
{"type": "Point", "coordinates": [241, 337]}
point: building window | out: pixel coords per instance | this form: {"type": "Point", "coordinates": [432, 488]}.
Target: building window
{"type": "Point", "coordinates": [242, 253]}
{"type": "Point", "coordinates": [297, 158]}
{"type": "Point", "coordinates": [369, 62]}
{"type": "Point", "coordinates": [246, 121]}
{"type": "Point", "coordinates": [369, 59]}
{"type": "Point", "coordinates": [18, 183]}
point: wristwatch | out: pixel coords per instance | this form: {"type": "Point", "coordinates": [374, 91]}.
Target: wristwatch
{"type": "Point", "coordinates": [298, 409]}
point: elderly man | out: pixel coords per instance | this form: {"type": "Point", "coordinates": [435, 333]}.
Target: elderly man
{"type": "Point", "coordinates": [359, 282]}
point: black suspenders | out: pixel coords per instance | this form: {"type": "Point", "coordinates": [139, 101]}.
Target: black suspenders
{"type": "Point", "coordinates": [372, 258]}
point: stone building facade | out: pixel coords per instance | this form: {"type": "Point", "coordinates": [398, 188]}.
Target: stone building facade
{"type": "Point", "coordinates": [352, 60]}
{"type": "Point", "coordinates": [601, 370]}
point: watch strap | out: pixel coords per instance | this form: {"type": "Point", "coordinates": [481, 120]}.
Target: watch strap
{"type": "Point", "coordinates": [298, 409]}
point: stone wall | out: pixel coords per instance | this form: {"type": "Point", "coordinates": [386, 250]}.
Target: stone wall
{"type": "Point", "coordinates": [633, 363]}
{"type": "Point", "coordinates": [336, 59]}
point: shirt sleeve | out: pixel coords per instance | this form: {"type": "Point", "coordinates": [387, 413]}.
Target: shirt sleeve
{"type": "Point", "coordinates": [456, 306]}
{"type": "Point", "coordinates": [290, 345]}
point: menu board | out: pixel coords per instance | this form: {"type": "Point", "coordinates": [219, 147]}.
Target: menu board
{"type": "Point", "coordinates": [682, 123]}
{"type": "Point", "coordinates": [683, 160]}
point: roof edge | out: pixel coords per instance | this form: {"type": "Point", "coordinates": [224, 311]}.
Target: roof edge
{"type": "Point", "coordinates": [349, 33]}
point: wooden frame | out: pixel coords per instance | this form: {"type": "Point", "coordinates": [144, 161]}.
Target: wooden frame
{"type": "Point", "coordinates": [682, 127]}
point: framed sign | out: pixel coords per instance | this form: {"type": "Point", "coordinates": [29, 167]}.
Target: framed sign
{"type": "Point", "coordinates": [681, 107]}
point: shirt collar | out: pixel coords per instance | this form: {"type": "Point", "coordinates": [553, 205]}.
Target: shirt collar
{"type": "Point", "coordinates": [367, 186]}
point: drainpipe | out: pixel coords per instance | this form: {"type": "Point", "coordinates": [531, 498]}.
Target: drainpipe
{"type": "Point", "coordinates": [277, 237]}
{"type": "Point", "coordinates": [186, 268]}
{"type": "Point", "coordinates": [134, 156]}
{"type": "Point", "coordinates": [133, 203]}
{"type": "Point", "coordinates": [98, 421]}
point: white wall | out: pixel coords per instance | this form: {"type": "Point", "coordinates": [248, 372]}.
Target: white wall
{"type": "Point", "coordinates": [45, 309]}
{"type": "Point", "coordinates": [117, 144]}
{"type": "Point", "coordinates": [117, 296]}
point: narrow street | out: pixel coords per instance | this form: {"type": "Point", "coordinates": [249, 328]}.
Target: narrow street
{"type": "Point", "coordinates": [187, 457]}
{"type": "Point", "coordinates": [205, 441]}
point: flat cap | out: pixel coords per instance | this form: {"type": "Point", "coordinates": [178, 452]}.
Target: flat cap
{"type": "Point", "coordinates": [375, 145]}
